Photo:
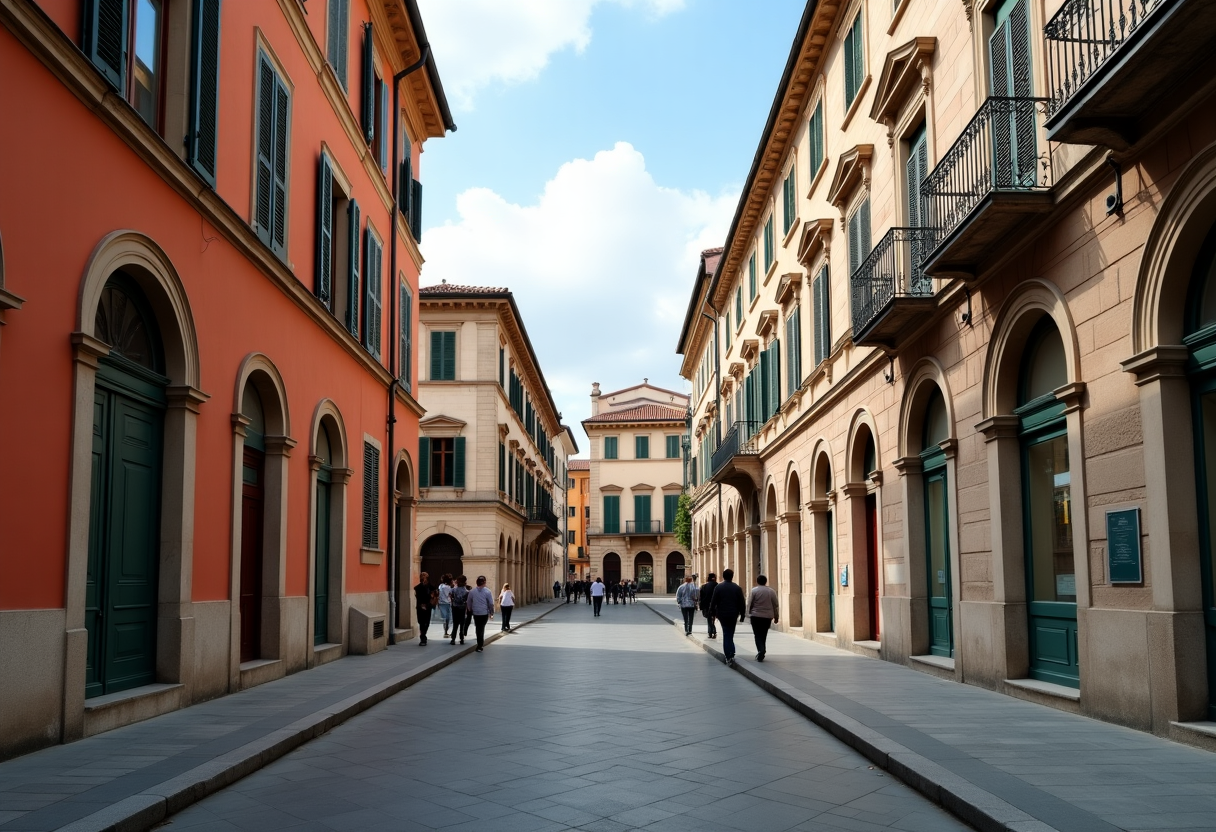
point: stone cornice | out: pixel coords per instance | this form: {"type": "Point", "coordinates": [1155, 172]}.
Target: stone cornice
{"type": "Point", "coordinates": [905, 68]}
{"type": "Point", "coordinates": [1156, 363]}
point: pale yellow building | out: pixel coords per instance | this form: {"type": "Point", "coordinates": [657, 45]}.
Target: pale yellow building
{"type": "Point", "coordinates": [953, 376]}
{"type": "Point", "coordinates": [578, 515]}
{"type": "Point", "coordinates": [635, 483]}
{"type": "Point", "coordinates": [492, 451]}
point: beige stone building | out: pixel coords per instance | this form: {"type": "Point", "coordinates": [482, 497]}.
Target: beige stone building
{"type": "Point", "coordinates": [492, 450]}
{"type": "Point", "coordinates": [578, 516]}
{"type": "Point", "coordinates": [952, 372]}
{"type": "Point", "coordinates": [635, 484]}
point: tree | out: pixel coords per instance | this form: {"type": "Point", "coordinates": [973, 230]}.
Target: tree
{"type": "Point", "coordinates": [684, 521]}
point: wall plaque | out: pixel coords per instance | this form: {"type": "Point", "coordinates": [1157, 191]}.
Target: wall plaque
{"type": "Point", "coordinates": [1123, 546]}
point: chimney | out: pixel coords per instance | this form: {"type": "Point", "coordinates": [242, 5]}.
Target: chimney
{"type": "Point", "coordinates": [595, 398]}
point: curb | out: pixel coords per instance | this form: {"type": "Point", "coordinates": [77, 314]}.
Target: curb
{"type": "Point", "coordinates": [142, 811]}
{"type": "Point", "coordinates": [974, 805]}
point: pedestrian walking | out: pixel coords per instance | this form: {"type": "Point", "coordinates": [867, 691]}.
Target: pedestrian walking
{"type": "Point", "coordinates": [762, 607]}
{"type": "Point", "coordinates": [633, 591]}
{"type": "Point", "coordinates": [686, 597]}
{"type": "Point", "coordinates": [481, 607]}
{"type": "Point", "coordinates": [569, 590]}
{"type": "Point", "coordinates": [707, 597]}
{"type": "Point", "coordinates": [460, 609]}
{"type": "Point", "coordinates": [616, 593]}
{"type": "Point", "coordinates": [422, 606]}
{"type": "Point", "coordinates": [445, 602]}
{"type": "Point", "coordinates": [587, 589]}
{"type": "Point", "coordinates": [597, 595]}
{"type": "Point", "coordinates": [506, 604]}
{"type": "Point", "coordinates": [557, 590]}
{"type": "Point", "coordinates": [728, 604]}
{"type": "Point", "coordinates": [578, 591]}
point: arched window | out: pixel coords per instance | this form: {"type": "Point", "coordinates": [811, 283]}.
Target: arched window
{"type": "Point", "coordinates": [125, 322]}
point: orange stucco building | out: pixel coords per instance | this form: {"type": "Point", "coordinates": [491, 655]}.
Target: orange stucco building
{"type": "Point", "coordinates": [206, 358]}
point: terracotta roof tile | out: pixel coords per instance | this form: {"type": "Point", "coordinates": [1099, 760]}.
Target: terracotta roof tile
{"type": "Point", "coordinates": [641, 413]}
{"type": "Point", "coordinates": [578, 465]}
{"type": "Point", "coordinates": [455, 289]}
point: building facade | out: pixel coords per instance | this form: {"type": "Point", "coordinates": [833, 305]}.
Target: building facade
{"type": "Point", "coordinates": [219, 321]}
{"type": "Point", "coordinates": [492, 450]}
{"type": "Point", "coordinates": [578, 517]}
{"type": "Point", "coordinates": [955, 341]}
{"type": "Point", "coordinates": [636, 473]}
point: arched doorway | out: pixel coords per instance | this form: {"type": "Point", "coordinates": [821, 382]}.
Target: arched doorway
{"type": "Point", "coordinates": [824, 526]}
{"type": "Point", "coordinates": [643, 572]}
{"type": "Point", "coordinates": [441, 554]}
{"type": "Point", "coordinates": [793, 525]}
{"type": "Point", "coordinates": [321, 562]}
{"type": "Point", "coordinates": [936, 430]}
{"type": "Point", "coordinates": [129, 404]}
{"type": "Point", "coordinates": [612, 568]}
{"type": "Point", "coordinates": [253, 499]}
{"type": "Point", "coordinates": [675, 571]}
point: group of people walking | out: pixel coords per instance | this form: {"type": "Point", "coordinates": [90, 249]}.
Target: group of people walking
{"type": "Point", "coordinates": [724, 604]}
{"type": "Point", "coordinates": [457, 606]}
{"type": "Point", "coordinates": [623, 592]}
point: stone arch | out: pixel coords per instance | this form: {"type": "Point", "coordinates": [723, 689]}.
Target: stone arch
{"type": "Point", "coordinates": [328, 480]}
{"type": "Point", "coordinates": [405, 559]}
{"type": "Point", "coordinates": [768, 565]}
{"type": "Point", "coordinates": [1019, 313]}
{"type": "Point", "coordinates": [147, 265]}
{"type": "Point", "coordinates": [822, 482]}
{"type": "Point", "coordinates": [1186, 216]}
{"type": "Point", "coordinates": [926, 376]}
{"type": "Point", "coordinates": [822, 537]}
{"type": "Point", "coordinates": [257, 369]}
{"type": "Point", "coordinates": [792, 519]}
{"type": "Point", "coordinates": [861, 427]}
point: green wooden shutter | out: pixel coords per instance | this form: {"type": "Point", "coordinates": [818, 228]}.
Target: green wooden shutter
{"type": "Point", "coordinates": [382, 142]}
{"type": "Point", "coordinates": [337, 37]}
{"type": "Point", "coordinates": [458, 461]}
{"type": "Point", "coordinates": [612, 514]}
{"type": "Point", "coordinates": [774, 373]}
{"type": "Point", "coordinates": [323, 279]}
{"type": "Point", "coordinates": [367, 97]}
{"type": "Point", "coordinates": [282, 124]}
{"type": "Point", "coordinates": [424, 462]}
{"type": "Point", "coordinates": [264, 198]}
{"type": "Point", "coordinates": [372, 303]}
{"type": "Point", "coordinates": [502, 467]}
{"type": "Point", "coordinates": [449, 356]}
{"type": "Point", "coordinates": [850, 68]}
{"type": "Point", "coordinates": [406, 369]}
{"type": "Point", "coordinates": [859, 63]}
{"type": "Point", "coordinates": [405, 180]}
{"type": "Point", "coordinates": [502, 364]}
{"type": "Point", "coordinates": [816, 139]}
{"type": "Point", "coordinates": [671, 502]}
{"type": "Point", "coordinates": [105, 39]}
{"type": "Point", "coordinates": [416, 210]}
{"type": "Point", "coordinates": [864, 229]}
{"type": "Point", "coordinates": [371, 495]}
{"type": "Point", "coordinates": [641, 513]}
{"type": "Point", "coordinates": [203, 136]}
{"type": "Point", "coordinates": [352, 268]}
{"type": "Point", "coordinates": [751, 275]}
{"type": "Point", "coordinates": [436, 355]}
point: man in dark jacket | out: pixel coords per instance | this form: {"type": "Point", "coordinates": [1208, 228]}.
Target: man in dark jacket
{"type": "Point", "coordinates": [707, 598]}
{"type": "Point", "coordinates": [422, 606]}
{"type": "Point", "coordinates": [728, 604]}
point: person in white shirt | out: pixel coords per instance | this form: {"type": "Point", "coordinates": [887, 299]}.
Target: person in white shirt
{"type": "Point", "coordinates": [762, 607]}
{"type": "Point", "coordinates": [445, 603]}
{"type": "Point", "coordinates": [687, 597]}
{"type": "Point", "coordinates": [597, 595]}
{"type": "Point", "coordinates": [506, 603]}
{"type": "Point", "coordinates": [481, 606]}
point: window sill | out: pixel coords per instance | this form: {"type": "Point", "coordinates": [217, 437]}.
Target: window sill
{"type": "Point", "coordinates": [789, 235]}
{"type": "Point", "coordinates": [856, 105]}
{"type": "Point", "coordinates": [898, 15]}
{"type": "Point", "coordinates": [772, 270]}
{"type": "Point", "coordinates": [817, 177]}
{"type": "Point", "coordinates": [372, 557]}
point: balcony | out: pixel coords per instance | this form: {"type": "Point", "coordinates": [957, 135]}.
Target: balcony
{"type": "Point", "coordinates": [995, 177]}
{"type": "Point", "coordinates": [891, 296]}
{"type": "Point", "coordinates": [654, 527]}
{"type": "Point", "coordinates": [736, 461]}
{"type": "Point", "coordinates": [1115, 65]}
{"type": "Point", "coordinates": [540, 525]}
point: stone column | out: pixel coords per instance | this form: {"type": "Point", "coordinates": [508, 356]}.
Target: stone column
{"type": "Point", "coordinates": [792, 521]}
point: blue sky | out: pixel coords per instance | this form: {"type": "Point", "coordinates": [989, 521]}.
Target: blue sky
{"type": "Point", "coordinates": [601, 145]}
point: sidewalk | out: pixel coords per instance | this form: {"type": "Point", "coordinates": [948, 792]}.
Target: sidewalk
{"type": "Point", "coordinates": [133, 777]}
{"type": "Point", "coordinates": [996, 762]}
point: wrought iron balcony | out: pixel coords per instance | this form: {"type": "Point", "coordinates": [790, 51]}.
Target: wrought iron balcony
{"type": "Point", "coordinates": [995, 174]}
{"type": "Point", "coordinates": [539, 515]}
{"type": "Point", "coordinates": [890, 293]}
{"type": "Point", "coordinates": [1112, 63]}
{"type": "Point", "coordinates": [739, 441]}
{"type": "Point", "coordinates": [643, 527]}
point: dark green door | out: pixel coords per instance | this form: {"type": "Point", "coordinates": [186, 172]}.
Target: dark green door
{"type": "Point", "coordinates": [831, 576]}
{"type": "Point", "coordinates": [321, 579]}
{"type": "Point", "coordinates": [124, 515]}
{"type": "Point", "coordinates": [1205, 449]}
{"type": "Point", "coordinates": [937, 559]}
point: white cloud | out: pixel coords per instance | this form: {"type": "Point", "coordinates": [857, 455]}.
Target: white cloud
{"type": "Point", "coordinates": [479, 42]}
{"type": "Point", "coordinates": [601, 267]}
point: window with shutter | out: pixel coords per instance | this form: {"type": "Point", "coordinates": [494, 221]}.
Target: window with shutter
{"type": "Point", "coordinates": [416, 210]}
{"type": "Point", "coordinates": [405, 182]}
{"type": "Point", "coordinates": [671, 502]}
{"type": "Point", "coordinates": [202, 139]}
{"type": "Point", "coordinates": [729, 329]}
{"type": "Point", "coordinates": [612, 514]}
{"type": "Point", "coordinates": [751, 276]}
{"type": "Point", "coordinates": [443, 356]}
{"type": "Point", "coordinates": [406, 368]}
{"type": "Point", "coordinates": [822, 316]}
{"type": "Point", "coordinates": [859, 235]}
{"type": "Point", "coordinates": [790, 202]}
{"type": "Point", "coordinates": [1014, 141]}
{"type": "Point", "coordinates": [106, 38]}
{"type": "Point", "coordinates": [338, 38]}
{"type": "Point", "coordinates": [815, 139]}
{"type": "Point", "coordinates": [770, 246]}
{"type": "Point", "coordinates": [323, 279]}
{"type": "Point", "coordinates": [793, 341]}
{"type": "Point", "coordinates": [641, 512]}
{"type": "Point", "coordinates": [352, 268]}
{"type": "Point", "coordinates": [372, 301]}
{"type": "Point", "coordinates": [774, 378]}
{"type": "Point", "coordinates": [424, 462]}
{"type": "Point", "coordinates": [458, 462]}
{"type": "Point", "coordinates": [502, 467]}
{"type": "Point", "coordinates": [739, 306]}
{"type": "Point", "coordinates": [382, 140]}
{"type": "Point", "coordinates": [371, 496]}
{"type": "Point", "coordinates": [854, 62]}
{"type": "Point", "coordinates": [673, 447]}
{"type": "Point", "coordinates": [610, 447]}
{"type": "Point", "coordinates": [367, 97]}
{"type": "Point", "coordinates": [641, 447]}
{"type": "Point", "coordinates": [273, 124]}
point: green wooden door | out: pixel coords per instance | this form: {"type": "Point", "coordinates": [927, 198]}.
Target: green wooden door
{"type": "Point", "coordinates": [1205, 450]}
{"type": "Point", "coordinates": [321, 579]}
{"type": "Point", "coordinates": [831, 575]}
{"type": "Point", "coordinates": [121, 583]}
{"type": "Point", "coordinates": [937, 558]}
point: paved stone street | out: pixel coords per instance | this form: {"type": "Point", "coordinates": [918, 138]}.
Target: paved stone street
{"type": "Point", "coordinates": [574, 723]}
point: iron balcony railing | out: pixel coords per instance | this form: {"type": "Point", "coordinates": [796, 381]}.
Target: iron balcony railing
{"type": "Point", "coordinates": [740, 439]}
{"type": "Point", "coordinates": [643, 526]}
{"type": "Point", "coordinates": [892, 270]}
{"type": "Point", "coordinates": [998, 151]}
{"type": "Point", "coordinates": [1082, 36]}
{"type": "Point", "coordinates": [536, 514]}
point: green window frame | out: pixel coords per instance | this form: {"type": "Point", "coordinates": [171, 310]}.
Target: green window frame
{"type": "Point", "coordinates": [610, 447]}
{"type": "Point", "coordinates": [728, 329]}
{"type": "Point", "coordinates": [272, 150]}
{"type": "Point", "coordinates": [859, 235]}
{"type": "Point", "coordinates": [793, 348]}
{"type": "Point", "coordinates": [373, 274]}
{"type": "Point", "coordinates": [751, 276]}
{"type": "Point", "coordinates": [822, 315]}
{"type": "Point", "coordinates": [612, 514]}
{"type": "Point", "coordinates": [770, 245]}
{"type": "Point", "coordinates": [443, 355]}
{"type": "Point", "coordinates": [854, 62]}
{"type": "Point", "coordinates": [789, 202]}
{"type": "Point", "coordinates": [641, 447]}
{"type": "Point", "coordinates": [371, 496]}
{"type": "Point", "coordinates": [337, 36]}
{"type": "Point", "coordinates": [641, 513]}
{"type": "Point", "coordinates": [671, 503]}
{"type": "Point", "coordinates": [673, 447]}
{"type": "Point", "coordinates": [739, 307]}
{"type": "Point", "coordinates": [405, 371]}
{"type": "Point", "coordinates": [815, 139]}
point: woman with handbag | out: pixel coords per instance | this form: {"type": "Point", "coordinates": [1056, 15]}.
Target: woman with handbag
{"type": "Point", "coordinates": [506, 603]}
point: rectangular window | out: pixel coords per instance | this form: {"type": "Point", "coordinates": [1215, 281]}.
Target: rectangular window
{"type": "Point", "coordinates": [371, 496]}
{"type": "Point", "coordinates": [815, 139]}
{"type": "Point", "coordinates": [789, 211]}
{"type": "Point", "coordinates": [273, 126]}
{"type": "Point", "coordinates": [822, 316]}
{"type": "Point", "coordinates": [502, 367]}
{"type": "Point", "coordinates": [793, 349]}
{"type": "Point", "coordinates": [573, 511]}
{"type": "Point", "coordinates": [570, 484]}
{"type": "Point", "coordinates": [641, 513]}
{"type": "Point", "coordinates": [406, 369]}
{"type": "Point", "coordinates": [338, 37]}
{"type": "Point", "coordinates": [610, 449]}
{"type": "Point", "coordinates": [671, 502]}
{"type": "Point", "coordinates": [751, 276]}
{"type": "Point", "coordinates": [739, 307]}
{"type": "Point", "coordinates": [673, 447]}
{"type": "Point", "coordinates": [641, 447]}
{"type": "Point", "coordinates": [729, 329]}
{"type": "Point", "coordinates": [570, 538]}
{"type": "Point", "coordinates": [446, 464]}
{"type": "Point", "coordinates": [367, 87]}
{"type": "Point", "coordinates": [859, 235]}
{"type": "Point", "coordinates": [854, 63]}
{"type": "Point", "coordinates": [373, 262]}
{"type": "Point", "coordinates": [612, 514]}
{"type": "Point", "coordinates": [202, 134]}
{"type": "Point", "coordinates": [323, 279]}
{"type": "Point", "coordinates": [770, 245]}
{"type": "Point", "coordinates": [443, 356]}
{"type": "Point", "coordinates": [502, 467]}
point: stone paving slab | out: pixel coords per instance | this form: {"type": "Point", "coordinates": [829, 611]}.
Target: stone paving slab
{"type": "Point", "coordinates": [997, 762]}
{"type": "Point", "coordinates": [133, 777]}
